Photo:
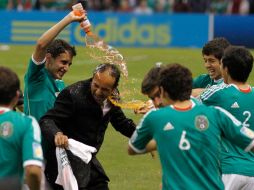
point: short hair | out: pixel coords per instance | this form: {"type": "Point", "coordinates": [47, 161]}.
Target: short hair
{"type": "Point", "coordinates": [9, 85]}
{"type": "Point", "coordinates": [239, 62]}
{"type": "Point", "coordinates": [216, 47]}
{"type": "Point", "coordinates": [151, 80]}
{"type": "Point", "coordinates": [59, 46]}
{"type": "Point", "coordinates": [114, 71]}
{"type": "Point", "coordinates": [176, 81]}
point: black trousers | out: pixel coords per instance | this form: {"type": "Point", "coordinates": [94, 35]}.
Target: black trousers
{"type": "Point", "coordinates": [89, 176]}
{"type": "Point", "coordinates": [96, 182]}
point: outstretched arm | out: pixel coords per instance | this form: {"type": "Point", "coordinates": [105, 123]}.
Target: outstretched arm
{"type": "Point", "coordinates": [150, 147]}
{"type": "Point", "coordinates": [46, 38]}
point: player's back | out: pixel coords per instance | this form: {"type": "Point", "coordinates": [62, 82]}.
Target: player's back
{"type": "Point", "coordinates": [14, 129]}
{"type": "Point", "coordinates": [189, 143]}
{"type": "Point", "coordinates": [240, 104]}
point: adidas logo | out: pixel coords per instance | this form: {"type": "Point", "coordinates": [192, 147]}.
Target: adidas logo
{"type": "Point", "coordinates": [168, 127]}
{"type": "Point", "coordinates": [235, 105]}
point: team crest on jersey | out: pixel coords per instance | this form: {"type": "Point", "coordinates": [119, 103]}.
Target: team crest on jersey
{"type": "Point", "coordinates": [6, 129]}
{"type": "Point", "coordinates": [201, 123]}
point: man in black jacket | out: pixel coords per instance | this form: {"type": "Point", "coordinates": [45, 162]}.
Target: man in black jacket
{"type": "Point", "coordinates": [82, 112]}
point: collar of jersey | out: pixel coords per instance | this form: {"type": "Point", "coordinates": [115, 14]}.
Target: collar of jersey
{"type": "Point", "coordinates": [242, 90]}
{"type": "Point", "coordinates": [4, 109]}
{"type": "Point", "coordinates": [184, 109]}
{"type": "Point", "coordinates": [218, 80]}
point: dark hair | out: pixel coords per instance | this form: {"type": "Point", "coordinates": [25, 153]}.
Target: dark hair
{"type": "Point", "coordinates": [114, 71]}
{"type": "Point", "coordinates": [151, 80]}
{"type": "Point", "coordinates": [216, 47]}
{"type": "Point", "coordinates": [9, 85]}
{"type": "Point", "coordinates": [239, 62]}
{"type": "Point", "coordinates": [59, 46]}
{"type": "Point", "coordinates": [176, 81]}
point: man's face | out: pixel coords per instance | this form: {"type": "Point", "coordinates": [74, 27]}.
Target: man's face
{"type": "Point", "coordinates": [154, 95]}
{"type": "Point", "coordinates": [212, 64]}
{"type": "Point", "coordinates": [102, 86]}
{"type": "Point", "coordinates": [60, 65]}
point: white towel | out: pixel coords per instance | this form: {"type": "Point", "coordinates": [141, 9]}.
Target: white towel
{"type": "Point", "coordinates": [65, 175]}
{"type": "Point", "coordinates": [83, 151]}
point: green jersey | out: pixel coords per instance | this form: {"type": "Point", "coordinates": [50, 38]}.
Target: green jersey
{"type": "Point", "coordinates": [240, 104]}
{"type": "Point", "coordinates": [189, 143]}
{"type": "Point", "coordinates": [205, 81]}
{"type": "Point", "coordinates": [20, 142]}
{"type": "Point", "coordinates": [41, 90]}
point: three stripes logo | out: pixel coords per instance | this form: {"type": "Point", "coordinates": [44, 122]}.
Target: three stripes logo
{"type": "Point", "coordinates": [30, 31]}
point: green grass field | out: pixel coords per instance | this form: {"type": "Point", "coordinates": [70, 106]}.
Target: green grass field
{"type": "Point", "coordinates": [125, 172]}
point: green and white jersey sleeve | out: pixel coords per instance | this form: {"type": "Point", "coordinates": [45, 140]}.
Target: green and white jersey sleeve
{"type": "Point", "coordinates": [35, 70]}
{"type": "Point", "coordinates": [142, 135]}
{"type": "Point", "coordinates": [233, 130]}
{"type": "Point", "coordinates": [211, 96]}
{"type": "Point", "coordinates": [31, 145]}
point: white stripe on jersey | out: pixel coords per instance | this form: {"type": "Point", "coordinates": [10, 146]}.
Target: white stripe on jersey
{"type": "Point", "coordinates": [37, 130]}
{"type": "Point", "coordinates": [135, 149]}
{"type": "Point", "coordinates": [210, 91]}
{"type": "Point", "coordinates": [142, 120]}
{"type": "Point", "coordinates": [235, 121]}
{"type": "Point", "coordinates": [33, 162]}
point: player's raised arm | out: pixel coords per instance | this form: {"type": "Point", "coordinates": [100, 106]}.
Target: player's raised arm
{"type": "Point", "coordinates": [44, 41]}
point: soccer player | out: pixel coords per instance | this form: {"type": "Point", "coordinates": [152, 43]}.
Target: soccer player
{"type": "Point", "coordinates": [20, 137]}
{"type": "Point", "coordinates": [237, 97]}
{"type": "Point", "coordinates": [150, 85]}
{"type": "Point", "coordinates": [188, 135]}
{"type": "Point", "coordinates": [212, 53]}
{"type": "Point", "coordinates": [150, 88]}
{"type": "Point", "coordinates": [50, 61]}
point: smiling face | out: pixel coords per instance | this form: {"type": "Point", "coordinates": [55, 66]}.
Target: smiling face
{"type": "Point", "coordinates": [60, 65]}
{"type": "Point", "coordinates": [212, 64]}
{"type": "Point", "coordinates": [102, 86]}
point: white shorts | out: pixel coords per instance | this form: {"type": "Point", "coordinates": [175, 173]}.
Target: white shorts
{"type": "Point", "coordinates": [238, 182]}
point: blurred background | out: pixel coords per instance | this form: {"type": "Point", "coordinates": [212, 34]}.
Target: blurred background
{"type": "Point", "coordinates": [134, 23]}
{"type": "Point", "coordinates": [138, 6]}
